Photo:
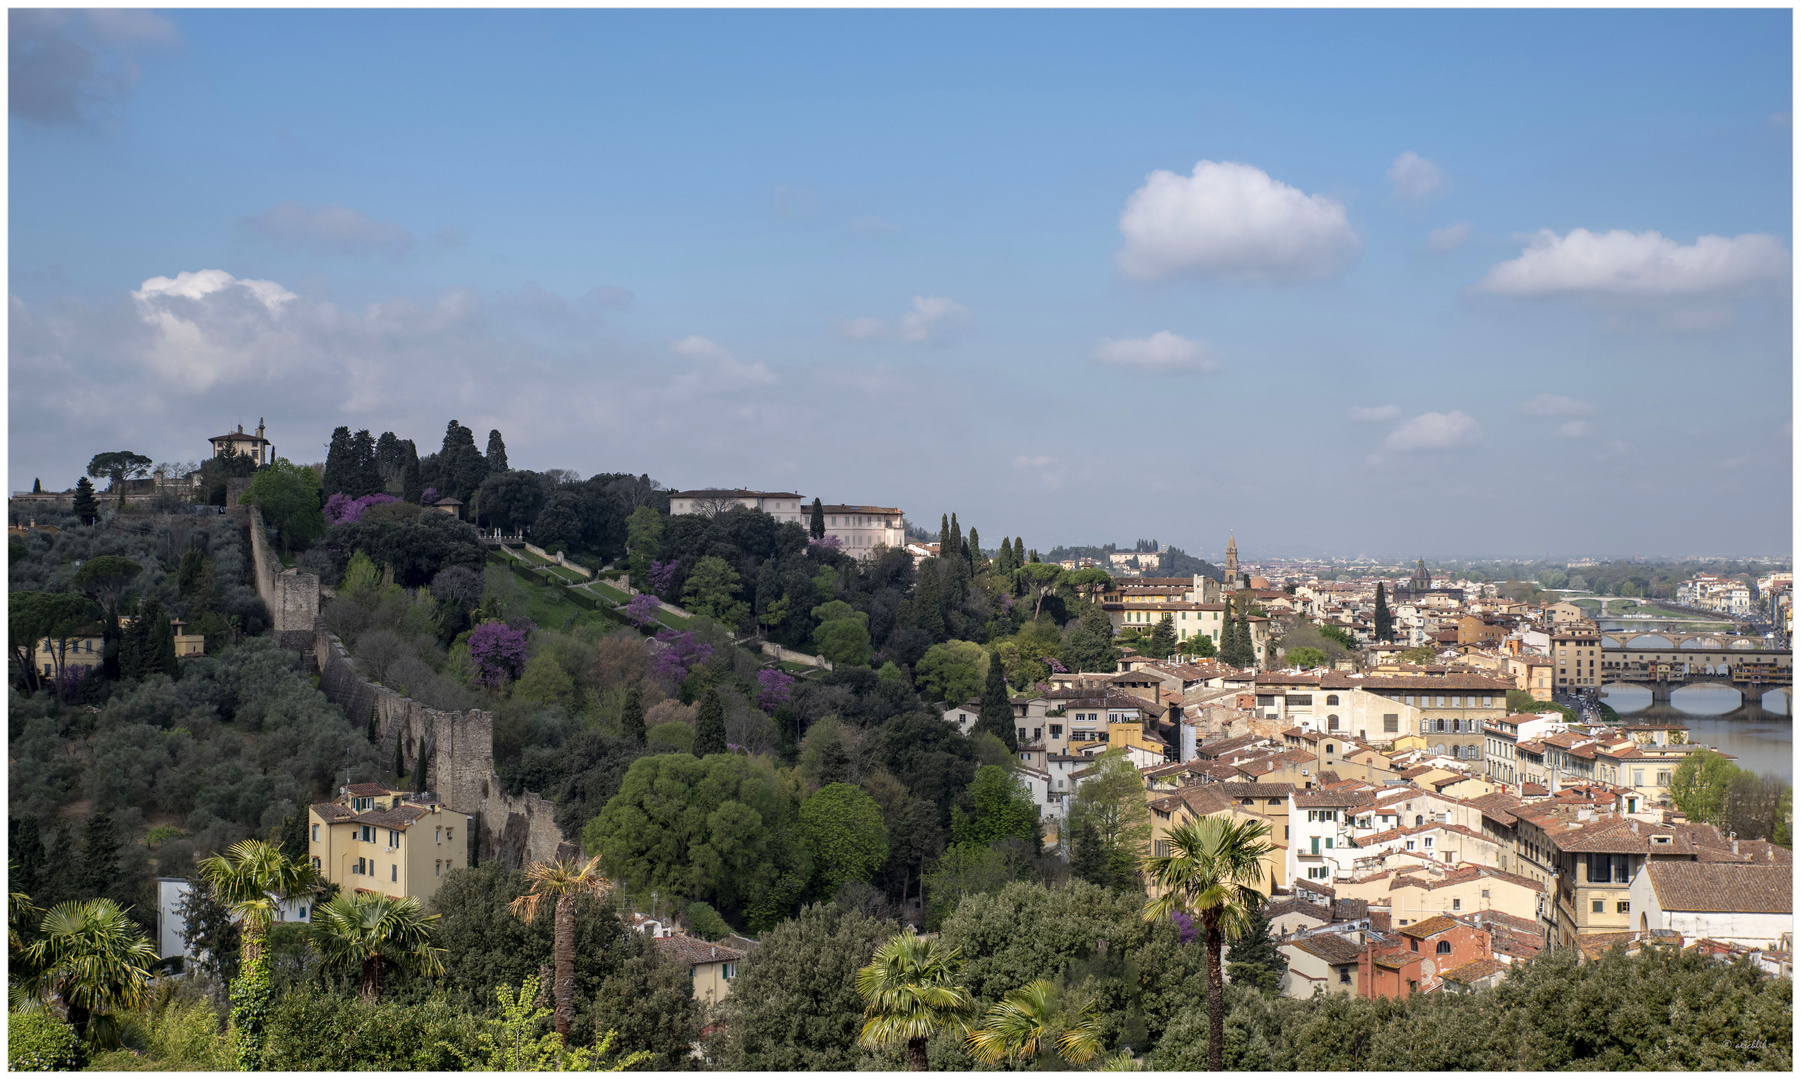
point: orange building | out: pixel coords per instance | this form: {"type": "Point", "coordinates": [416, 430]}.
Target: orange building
{"type": "Point", "coordinates": [1428, 950]}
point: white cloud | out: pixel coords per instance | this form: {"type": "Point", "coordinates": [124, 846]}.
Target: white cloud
{"type": "Point", "coordinates": [68, 68]}
{"type": "Point", "coordinates": [1024, 462]}
{"type": "Point", "coordinates": [1161, 353]}
{"type": "Point", "coordinates": [331, 230]}
{"type": "Point", "coordinates": [1556, 405]}
{"type": "Point", "coordinates": [1575, 429]}
{"type": "Point", "coordinates": [724, 375]}
{"type": "Point", "coordinates": [1234, 221]}
{"type": "Point", "coordinates": [1414, 177]}
{"type": "Point", "coordinates": [199, 318]}
{"type": "Point", "coordinates": [695, 347]}
{"type": "Point", "coordinates": [1621, 263]}
{"type": "Point", "coordinates": [1369, 413]}
{"type": "Point", "coordinates": [933, 319]}
{"type": "Point", "coordinates": [1433, 431]}
{"type": "Point", "coordinates": [1449, 238]}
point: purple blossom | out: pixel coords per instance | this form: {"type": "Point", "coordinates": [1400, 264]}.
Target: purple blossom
{"type": "Point", "coordinates": [662, 576]}
{"type": "Point", "coordinates": [643, 608]}
{"type": "Point", "coordinates": [1057, 667]}
{"type": "Point", "coordinates": [1184, 926]}
{"type": "Point", "coordinates": [682, 655]}
{"type": "Point", "coordinates": [428, 496]}
{"type": "Point", "coordinates": [498, 651]}
{"type": "Point", "coordinates": [776, 687]}
{"type": "Point", "coordinates": [830, 543]}
{"type": "Point", "coordinates": [341, 509]}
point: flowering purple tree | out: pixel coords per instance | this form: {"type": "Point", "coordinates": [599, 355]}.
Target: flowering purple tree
{"type": "Point", "coordinates": [643, 608]}
{"type": "Point", "coordinates": [428, 496]}
{"type": "Point", "coordinates": [1184, 926]}
{"type": "Point", "coordinates": [1057, 667]}
{"type": "Point", "coordinates": [682, 655]}
{"type": "Point", "coordinates": [498, 651]}
{"type": "Point", "coordinates": [775, 687]}
{"type": "Point", "coordinates": [341, 509]}
{"type": "Point", "coordinates": [830, 543]}
{"type": "Point", "coordinates": [662, 576]}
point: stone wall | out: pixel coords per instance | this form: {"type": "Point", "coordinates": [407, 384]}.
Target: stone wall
{"type": "Point", "coordinates": [794, 656]}
{"type": "Point", "coordinates": [516, 829]}
{"type": "Point", "coordinates": [292, 596]}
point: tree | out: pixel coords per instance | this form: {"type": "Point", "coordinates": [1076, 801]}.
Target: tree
{"type": "Point", "coordinates": [25, 850]}
{"type": "Point", "coordinates": [841, 828]}
{"type": "Point", "coordinates": [99, 871]}
{"type": "Point", "coordinates": [794, 1006]}
{"type": "Point", "coordinates": [97, 961]}
{"type": "Point", "coordinates": [461, 468]}
{"type": "Point", "coordinates": [1002, 808]}
{"type": "Point", "coordinates": [1306, 657]}
{"type": "Point", "coordinates": [1212, 872]}
{"type": "Point", "coordinates": [1700, 785]}
{"type": "Point", "coordinates": [108, 578]}
{"type": "Point", "coordinates": [953, 672]}
{"type": "Point", "coordinates": [1041, 580]}
{"type": "Point", "coordinates": [712, 590]}
{"type": "Point", "coordinates": [843, 633]}
{"type": "Point", "coordinates": [497, 452]}
{"type": "Point", "coordinates": [561, 882]}
{"type": "Point", "coordinates": [1163, 639]}
{"type": "Point", "coordinates": [816, 523]}
{"type": "Point", "coordinates": [289, 498]}
{"type": "Point", "coordinates": [86, 507]}
{"type": "Point", "coordinates": [372, 933]}
{"type": "Point", "coordinates": [996, 716]}
{"type": "Point", "coordinates": [412, 488]}
{"type": "Point", "coordinates": [340, 464]}
{"type": "Point", "coordinates": [1111, 819]}
{"type": "Point", "coordinates": [118, 466]}
{"type": "Point", "coordinates": [631, 716]}
{"type": "Point", "coordinates": [1385, 620]}
{"type": "Point", "coordinates": [253, 877]}
{"type": "Point", "coordinates": [1033, 1017]}
{"type": "Point", "coordinates": [1088, 645]}
{"type": "Point", "coordinates": [928, 600]}
{"type": "Point", "coordinates": [911, 992]}
{"type": "Point", "coordinates": [1254, 959]}
{"type": "Point", "coordinates": [709, 725]}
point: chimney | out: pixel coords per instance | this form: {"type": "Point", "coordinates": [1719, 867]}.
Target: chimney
{"type": "Point", "coordinates": [1735, 847]}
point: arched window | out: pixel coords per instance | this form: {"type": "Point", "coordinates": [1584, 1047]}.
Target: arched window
{"type": "Point", "coordinates": [1444, 947]}
{"type": "Point", "coordinates": [1419, 819]}
{"type": "Point", "coordinates": [1331, 699]}
{"type": "Point", "coordinates": [1332, 722]}
{"type": "Point", "coordinates": [1330, 749]}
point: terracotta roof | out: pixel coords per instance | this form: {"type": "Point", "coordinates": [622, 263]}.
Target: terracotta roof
{"type": "Point", "coordinates": [690, 950]}
{"type": "Point", "coordinates": [1257, 791]}
{"type": "Point", "coordinates": [1426, 928]}
{"type": "Point", "coordinates": [1328, 947]}
{"type": "Point", "coordinates": [1594, 946]}
{"type": "Point", "coordinates": [366, 790]}
{"type": "Point", "coordinates": [1722, 887]}
{"type": "Point", "coordinates": [1396, 958]}
{"type": "Point", "coordinates": [1332, 798]}
{"type": "Point", "coordinates": [1296, 906]}
{"type": "Point", "coordinates": [1472, 971]}
{"type": "Point", "coordinates": [331, 811]}
{"type": "Point", "coordinates": [1496, 807]}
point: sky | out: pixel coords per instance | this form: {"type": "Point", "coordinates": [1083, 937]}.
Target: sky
{"type": "Point", "coordinates": [1456, 284]}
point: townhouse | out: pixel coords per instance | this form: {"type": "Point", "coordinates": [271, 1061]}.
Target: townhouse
{"type": "Point", "coordinates": [381, 841]}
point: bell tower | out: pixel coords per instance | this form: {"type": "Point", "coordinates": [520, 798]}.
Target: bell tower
{"type": "Point", "coordinates": [1232, 562]}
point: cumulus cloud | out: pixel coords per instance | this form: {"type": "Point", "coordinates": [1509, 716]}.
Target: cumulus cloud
{"type": "Point", "coordinates": [1415, 178]}
{"type": "Point", "coordinates": [1232, 221]}
{"type": "Point", "coordinates": [1647, 264]}
{"type": "Point", "coordinates": [1449, 238]}
{"type": "Point", "coordinates": [1374, 413]}
{"type": "Point", "coordinates": [933, 319]}
{"type": "Point", "coordinates": [1575, 429]}
{"type": "Point", "coordinates": [1433, 431]}
{"type": "Point", "coordinates": [1556, 405]}
{"type": "Point", "coordinates": [79, 68]}
{"type": "Point", "coordinates": [1161, 353]}
{"type": "Point", "coordinates": [330, 230]}
{"type": "Point", "coordinates": [716, 370]}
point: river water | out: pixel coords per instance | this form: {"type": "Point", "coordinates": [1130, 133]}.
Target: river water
{"type": "Point", "coordinates": [1714, 716]}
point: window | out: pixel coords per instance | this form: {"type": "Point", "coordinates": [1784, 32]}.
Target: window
{"type": "Point", "coordinates": [1328, 843]}
{"type": "Point", "coordinates": [1409, 845]}
{"type": "Point", "coordinates": [368, 834]}
{"type": "Point", "coordinates": [1428, 841]}
{"type": "Point", "coordinates": [1330, 749]}
{"type": "Point", "coordinates": [1022, 734]}
{"type": "Point", "coordinates": [1391, 722]}
{"type": "Point", "coordinates": [359, 866]}
{"type": "Point", "coordinates": [315, 834]}
{"type": "Point", "coordinates": [315, 862]}
{"type": "Point", "coordinates": [1300, 699]}
{"type": "Point", "coordinates": [302, 915]}
{"type": "Point", "coordinates": [438, 868]}
{"type": "Point", "coordinates": [730, 970]}
{"type": "Point", "coordinates": [393, 838]}
{"type": "Point", "coordinates": [1344, 974]}
{"type": "Point", "coordinates": [1414, 944]}
{"type": "Point", "coordinates": [1622, 906]}
{"type": "Point", "coordinates": [437, 835]}
{"type": "Point", "coordinates": [1331, 699]}
{"type": "Point", "coordinates": [1317, 873]}
{"type": "Point", "coordinates": [1444, 947]}
{"type": "Point", "coordinates": [393, 872]}
{"type": "Point", "coordinates": [1037, 733]}
{"type": "Point", "coordinates": [1485, 894]}
{"type": "Point", "coordinates": [1056, 731]}
{"type": "Point", "coordinates": [1456, 701]}
{"type": "Point", "coordinates": [1315, 850]}
{"type": "Point", "coordinates": [1332, 724]}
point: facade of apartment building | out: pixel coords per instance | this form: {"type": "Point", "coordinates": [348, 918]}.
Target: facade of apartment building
{"type": "Point", "coordinates": [376, 840]}
{"type": "Point", "coordinates": [1577, 654]}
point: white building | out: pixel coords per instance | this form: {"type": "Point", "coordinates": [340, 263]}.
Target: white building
{"type": "Point", "coordinates": [172, 924]}
{"type": "Point", "coordinates": [1735, 903]}
{"type": "Point", "coordinates": [858, 529]}
{"type": "Point", "coordinates": [780, 505]}
{"type": "Point", "coordinates": [1320, 826]}
{"type": "Point", "coordinates": [863, 529]}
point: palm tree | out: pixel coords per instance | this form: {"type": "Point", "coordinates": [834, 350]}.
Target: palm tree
{"type": "Point", "coordinates": [1028, 1018]}
{"type": "Point", "coordinates": [911, 993]}
{"type": "Point", "coordinates": [96, 960]}
{"type": "Point", "coordinates": [372, 932]}
{"type": "Point", "coordinates": [563, 882]}
{"type": "Point", "coordinates": [254, 878]}
{"type": "Point", "coordinates": [1212, 872]}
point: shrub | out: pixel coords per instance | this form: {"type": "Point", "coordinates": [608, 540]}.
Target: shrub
{"type": "Point", "coordinates": [39, 1042]}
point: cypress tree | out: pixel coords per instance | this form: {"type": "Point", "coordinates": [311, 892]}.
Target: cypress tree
{"type": "Point", "coordinates": [1163, 638]}
{"type": "Point", "coordinates": [366, 472]}
{"type": "Point", "coordinates": [975, 548]}
{"type": "Point", "coordinates": [27, 854]}
{"type": "Point", "coordinates": [1019, 553]}
{"type": "Point", "coordinates": [996, 716]}
{"type": "Point", "coordinates": [928, 600]}
{"type": "Point", "coordinates": [411, 487]}
{"type": "Point", "coordinates": [99, 871]}
{"type": "Point", "coordinates": [86, 507]}
{"type": "Point", "coordinates": [339, 464]}
{"type": "Point", "coordinates": [945, 544]}
{"type": "Point", "coordinates": [419, 765]}
{"type": "Point", "coordinates": [37, 487]}
{"type": "Point", "coordinates": [1254, 959]}
{"type": "Point", "coordinates": [1385, 619]}
{"type": "Point", "coordinates": [161, 653]}
{"type": "Point", "coordinates": [709, 725]}
{"type": "Point", "coordinates": [54, 888]}
{"type": "Point", "coordinates": [497, 452]}
{"type": "Point", "coordinates": [631, 718]}
{"type": "Point", "coordinates": [816, 527]}
{"type": "Point", "coordinates": [399, 761]}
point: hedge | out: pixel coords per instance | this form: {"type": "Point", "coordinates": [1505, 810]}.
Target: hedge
{"type": "Point", "coordinates": [39, 1042]}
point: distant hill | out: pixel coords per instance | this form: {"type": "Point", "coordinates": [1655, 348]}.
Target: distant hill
{"type": "Point", "coordinates": [1173, 563]}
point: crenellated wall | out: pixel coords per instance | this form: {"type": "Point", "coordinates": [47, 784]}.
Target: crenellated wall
{"type": "Point", "coordinates": [292, 596]}
{"type": "Point", "coordinates": [516, 829]}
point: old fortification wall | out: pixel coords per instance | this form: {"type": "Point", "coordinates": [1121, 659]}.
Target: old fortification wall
{"type": "Point", "coordinates": [292, 596]}
{"type": "Point", "coordinates": [516, 829]}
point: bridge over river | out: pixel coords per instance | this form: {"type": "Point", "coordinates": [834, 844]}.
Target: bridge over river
{"type": "Point", "coordinates": [1665, 662]}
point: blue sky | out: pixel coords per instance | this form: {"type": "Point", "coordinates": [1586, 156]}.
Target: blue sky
{"type": "Point", "coordinates": [1452, 283]}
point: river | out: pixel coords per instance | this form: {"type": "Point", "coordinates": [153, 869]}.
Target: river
{"type": "Point", "coordinates": [1763, 744]}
